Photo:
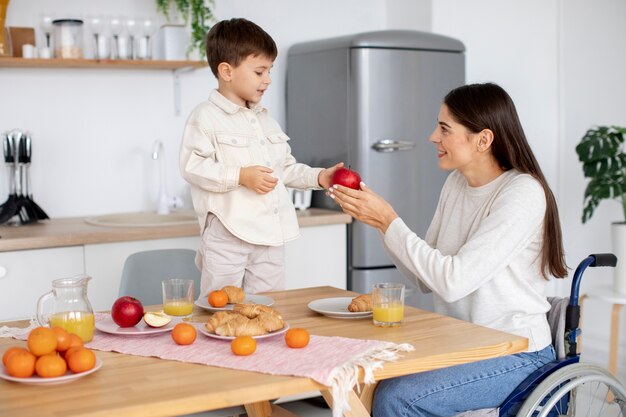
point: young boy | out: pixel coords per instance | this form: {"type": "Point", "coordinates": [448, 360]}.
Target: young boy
{"type": "Point", "coordinates": [238, 162]}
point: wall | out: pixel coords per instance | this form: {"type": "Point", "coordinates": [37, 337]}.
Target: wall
{"type": "Point", "coordinates": [93, 130]}
{"type": "Point", "coordinates": [562, 62]}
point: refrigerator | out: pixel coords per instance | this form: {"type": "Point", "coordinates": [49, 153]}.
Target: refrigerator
{"type": "Point", "coordinates": [371, 100]}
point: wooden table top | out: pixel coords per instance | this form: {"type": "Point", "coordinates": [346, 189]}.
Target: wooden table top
{"type": "Point", "coordinates": [139, 386]}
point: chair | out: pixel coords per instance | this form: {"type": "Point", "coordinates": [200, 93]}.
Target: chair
{"type": "Point", "coordinates": [144, 271]}
{"type": "Point", "coordinates": [142, 276]}
{"type": "Point", "coordinates": [562, 387]}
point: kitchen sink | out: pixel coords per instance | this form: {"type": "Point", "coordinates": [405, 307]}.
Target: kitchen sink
{"type": "Point", "coordinates": [144, 219]}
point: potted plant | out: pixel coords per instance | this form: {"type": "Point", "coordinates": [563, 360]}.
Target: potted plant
{"type": "Point", "coordinates": [602, 154]}
{"type": "Point", "coordinates": [196, 13]}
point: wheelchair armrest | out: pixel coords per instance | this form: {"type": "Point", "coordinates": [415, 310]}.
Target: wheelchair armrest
{"type": "Point", "coordinates": [514, 401]}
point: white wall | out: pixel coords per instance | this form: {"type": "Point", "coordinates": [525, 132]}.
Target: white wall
{"type": "Point", "coordinates": [562, 61]}
{"type": "Point", "coordinates": [93, 130]}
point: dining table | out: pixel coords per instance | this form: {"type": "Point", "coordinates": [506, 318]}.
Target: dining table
{"type": "Point", "coordinates": [129, 385]}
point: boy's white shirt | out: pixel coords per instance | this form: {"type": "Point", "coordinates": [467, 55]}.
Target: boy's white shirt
{"type": "Point", "coordinates": [221, 137]}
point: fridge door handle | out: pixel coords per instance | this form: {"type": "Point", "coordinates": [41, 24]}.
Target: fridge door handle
{"type": "Point", "coordinates": [388, 145]}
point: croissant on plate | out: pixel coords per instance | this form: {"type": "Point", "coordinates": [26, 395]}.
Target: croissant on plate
{"type": "Point", "coordinates": [235, 294]}
{"type": "Point", "coordinates": [361, 303]}
{"type": "Point", "coordinates": [270, 322]}
{"type": "Point", "coordinates": [241, 326]}
{"type": "Point", "coordinates": [218, 319]}
{"type": "Point", "coordinates": [253, 310]}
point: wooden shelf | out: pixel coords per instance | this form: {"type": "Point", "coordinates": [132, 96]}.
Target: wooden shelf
{"type": "Point", "coordinates": [97, 63]}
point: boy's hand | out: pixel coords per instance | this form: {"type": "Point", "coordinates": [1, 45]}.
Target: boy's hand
{"type": "Point", "coordinates": [258, 179]}
{"type": "Point", "coordinates": [326, 175]}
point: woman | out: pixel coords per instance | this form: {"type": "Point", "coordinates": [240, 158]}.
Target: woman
{"type": "Point", "coordinates": [493, 242]}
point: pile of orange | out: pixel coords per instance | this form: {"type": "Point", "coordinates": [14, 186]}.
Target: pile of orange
{"type": "Point", "coordinates": [50, 353]}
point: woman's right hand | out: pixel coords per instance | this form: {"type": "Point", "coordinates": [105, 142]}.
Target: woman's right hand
{"type": "Point", "coordinates": [364, 205]}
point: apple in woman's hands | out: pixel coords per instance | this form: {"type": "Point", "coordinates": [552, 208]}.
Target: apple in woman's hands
{"type": "Point", "coordinates": [347, 178]}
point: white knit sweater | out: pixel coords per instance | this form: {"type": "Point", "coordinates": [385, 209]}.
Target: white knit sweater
{"type": "Point", "coordinates": [481, 256]}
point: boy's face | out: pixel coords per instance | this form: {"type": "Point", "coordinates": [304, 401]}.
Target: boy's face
{"type": "Point", "coordinates": [250, 79]}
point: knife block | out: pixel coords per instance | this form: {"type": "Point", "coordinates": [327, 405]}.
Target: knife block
{"type": "Point", "coordinates": [5, 42]}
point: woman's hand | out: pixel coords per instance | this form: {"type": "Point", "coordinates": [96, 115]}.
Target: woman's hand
{"type": "Point", "coordinates": [326, 175]}
{"type": "Point", "coordinates": [364, 205]}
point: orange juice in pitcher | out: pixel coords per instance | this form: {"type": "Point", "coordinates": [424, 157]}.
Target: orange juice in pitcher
{"type": "Point", "coordinates": [80, 322]}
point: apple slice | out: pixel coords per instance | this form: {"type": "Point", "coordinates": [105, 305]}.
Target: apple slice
{"type": "Point", "coordinates": [156, 319]}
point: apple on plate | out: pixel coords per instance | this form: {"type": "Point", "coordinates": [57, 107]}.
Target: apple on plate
{"type": "Point", "coordinates": [347, 178]}
{"type": "Point", "coordinates": [127, 311]}
{"type": "Point", "coordinates": [156, 319]}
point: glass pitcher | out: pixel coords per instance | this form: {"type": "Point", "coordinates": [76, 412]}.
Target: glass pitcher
{"type": "Point", "coordinates": [67, 306]}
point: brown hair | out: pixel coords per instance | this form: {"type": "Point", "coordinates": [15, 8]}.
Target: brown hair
{"type": "Point", "coordinates": [233, 40]}
{"type": "Point", "coordinates": [488, 106]}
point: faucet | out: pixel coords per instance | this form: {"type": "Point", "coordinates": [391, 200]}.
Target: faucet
{"type": "Point", "coordinates": [164, 201]}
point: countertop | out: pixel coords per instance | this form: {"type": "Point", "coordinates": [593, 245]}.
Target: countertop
{"type": "Point", "coordinates": [74, 231]}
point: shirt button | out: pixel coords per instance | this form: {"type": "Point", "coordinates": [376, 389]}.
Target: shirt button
{"type": "Point", "coordinates": [275, 211]}
{"type": "Point", "coordinates": [234, 141]}
{"type": "Point", "coordinates": [253, 121]}
{"type": "Point", "coordinates": [267, 163]}
{"type": "Point", "coordinates": [262, 142]}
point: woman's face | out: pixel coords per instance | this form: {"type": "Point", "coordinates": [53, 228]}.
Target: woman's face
{"type": "Point", "coordinates": [457, 147]}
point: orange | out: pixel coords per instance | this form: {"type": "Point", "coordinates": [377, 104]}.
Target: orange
{"type": "Point", "coordinates": [41, 341]}
{"type": "Point", "coordinates": [21, 364]}
{"type": "Point", "coordinates": [9, 352]}
{"type": "Point", "coordinates": [297, 338]}
{"type": "Point", "coordinates": [82, 360]}
{"type": "Point", "coordinates": [184, 334]}
{"type": "Point", "coordinates": [69, 352]}
{"type": "Point", "coordinates": [75, 341]}
{"type": "Point", "coordinates": [218, 298]}
{"type": "Point", "coordinates": [63, 338]}
{"type": "Point", "coordinates": [243, 345]}
{"type": "Point", "coordinates": [50, 366]}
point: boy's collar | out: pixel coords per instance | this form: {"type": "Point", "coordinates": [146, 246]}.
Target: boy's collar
{"type": "Point", "coordinates": [228, 106]}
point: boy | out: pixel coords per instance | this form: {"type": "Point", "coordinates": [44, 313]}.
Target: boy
{"type": "Point", "coordinates": [238, 162]}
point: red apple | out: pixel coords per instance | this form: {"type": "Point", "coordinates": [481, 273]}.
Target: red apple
{"type": "Point", "coordinates": [347, 178]}
{"type": "Point", "coordinates": [127, 311]}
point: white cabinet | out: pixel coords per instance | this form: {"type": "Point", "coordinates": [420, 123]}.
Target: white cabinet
{"type": "Point", "coordinates": [27, 274]}
{"type": "Point", "coordinates": [317, 257]}
{"type": "Point", "coordinates": [104, 263]}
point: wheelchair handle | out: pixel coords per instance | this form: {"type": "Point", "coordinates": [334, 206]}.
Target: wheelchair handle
{"type": "Point", "coordinates": [598, 259]}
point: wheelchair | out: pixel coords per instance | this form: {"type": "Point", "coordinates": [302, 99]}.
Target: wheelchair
{"type": "Point", "coordinates": [567, 387]}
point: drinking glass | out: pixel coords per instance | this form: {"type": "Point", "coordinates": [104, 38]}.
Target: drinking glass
{"type": "Point", "coordinates": [178, 296]}
{"type": "Point", "coordinates": [388, 304]}
{"type": "Point", "coordinates": [46, 27]}
{"type": "Point", "coordinates": [144, 45]}
{"type": "Point", "coordinates": [131, 29]}
{"type": "Point", "coordinates": [101, 44]}
{"type": "Point", "coordinates": [120, 40]}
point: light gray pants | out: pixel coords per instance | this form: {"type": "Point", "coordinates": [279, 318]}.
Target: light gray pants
{"type": "Point", "coordinates": [224, 259]}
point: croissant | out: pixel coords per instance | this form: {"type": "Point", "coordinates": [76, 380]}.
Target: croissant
{"type": "Point", "coordinates": [240, 326]}
{"type": "Point", "coordinates": [235, 294]}
{"type": "Point", "coordinates": [361, 303]}
{"type": "Point", "coordinates": [218, 319]}
{"type": "Point", "coordinates": [253, 310]}
{"type": "Point", "coordinates": [270, 322]}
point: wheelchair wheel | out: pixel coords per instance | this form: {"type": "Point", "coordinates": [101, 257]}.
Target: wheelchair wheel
{"type": "Point", "coordinates": [576, 390]}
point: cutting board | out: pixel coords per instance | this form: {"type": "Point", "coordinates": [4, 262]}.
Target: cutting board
{"type": "Point", "coordinates": [19, 37]}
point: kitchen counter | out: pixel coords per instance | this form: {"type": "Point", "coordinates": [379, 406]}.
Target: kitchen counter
{"type": "Point", "coordinates": [74, 231]}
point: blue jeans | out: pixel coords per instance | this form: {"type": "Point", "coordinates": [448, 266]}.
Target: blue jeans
{"type": "Point", "coordinates": [449, 391]}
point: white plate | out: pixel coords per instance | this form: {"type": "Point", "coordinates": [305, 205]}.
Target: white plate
{"type": "Point", "coordinates": [37, 380]}
{"type": "Point", "coordinates": [337, 308]}
{"type": "Point", "coordinates": [250, 299]}
{"type": "Point", "coordinates": [107, 325]}
{"type": "Point", "coordinates": [204, 331]}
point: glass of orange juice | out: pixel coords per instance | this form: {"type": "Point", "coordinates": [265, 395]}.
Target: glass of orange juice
{"type": "Point", "coordinates": [388, 304]}
{"type": "Point", "coordinates": [178, 297]}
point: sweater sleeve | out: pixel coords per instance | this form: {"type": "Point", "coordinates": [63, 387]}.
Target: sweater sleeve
{"type": "Point", "coordinates": [515, 217]}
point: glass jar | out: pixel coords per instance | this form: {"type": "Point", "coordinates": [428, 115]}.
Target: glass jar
{"type": "Point", "coordinates": [68, 38]}
{"type": "Point", "coordinates": [67, 306]}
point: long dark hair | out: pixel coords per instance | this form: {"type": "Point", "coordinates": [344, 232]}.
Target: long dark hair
{"type": "Point", "coordinates": [488, 106]}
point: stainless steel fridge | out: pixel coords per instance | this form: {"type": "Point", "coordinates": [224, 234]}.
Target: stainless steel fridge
{"type": "Point", "coordinates": [371, 100]}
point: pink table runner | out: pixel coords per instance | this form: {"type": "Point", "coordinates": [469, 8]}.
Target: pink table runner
{"type": "Point", "coordinates": [331, 361]}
